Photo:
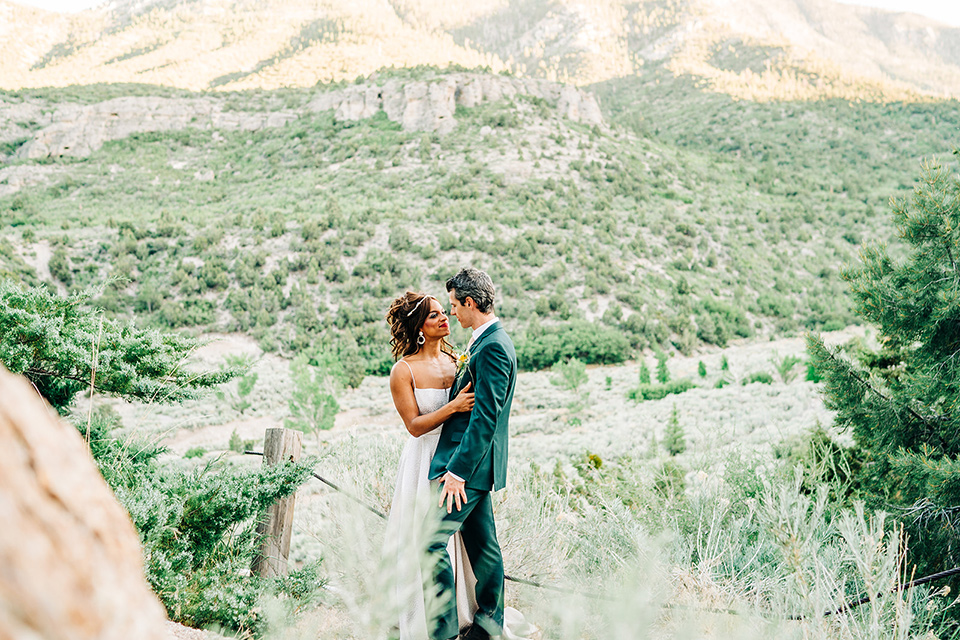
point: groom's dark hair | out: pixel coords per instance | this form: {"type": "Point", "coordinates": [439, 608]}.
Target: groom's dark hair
{"type": "Point", "coordinates": [473, 283]}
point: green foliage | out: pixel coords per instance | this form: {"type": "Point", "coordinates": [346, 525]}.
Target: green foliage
{"type": "Point", "coordinates": [759, 376]}
{"type": "Point", "coordinates": [701, 369]}
{"type": "Point", "coordinates": [198, 532]}
{"type": "Point", "coordinates": [658, 391]}
{"type": "Point", "coordinates": [236, 443]}
{"type": "Point", "coordinates": [785, 367]}
{"type": "Point", "coordinates": [706, 196]}
{"type": "Point", "coordinates": [663, 374]}
{"type": "Point", "coordinates": [587, 342]}
{"type": "Point", "coordinates": [900, 402]}
{"type": "Point", "coordinates": [644, 374]}
{"type": "Point", "coordinates": [825, 464]}
{"type": "Point", "coordinates": [239, 400]}
{"type": "Point", "coordinates": [197, 527]}
{"type": "Point", "coordinates": [569, 375]}
{"type": "Point", "coordinates": [812, 374]}
{"type": "Point", "coordinates": [59, 343]}
{"type": "Point", "coordinates": [313, 398]}
{"type": "Point", "coordinates": [674, 440]}
{"type": "Point", "coordinates": [59, 266]}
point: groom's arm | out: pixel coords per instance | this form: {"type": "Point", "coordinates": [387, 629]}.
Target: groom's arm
{"type": "Point", "coordinates": [490, 388]}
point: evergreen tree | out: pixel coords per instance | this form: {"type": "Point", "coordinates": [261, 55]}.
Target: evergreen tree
{"type": "Point", "coordinates": [673, 438]}
{"type": "Point", "coordinates": [663, 374]}
{"type": "Point", "coordinates": [901, 402]}
{"type": "Point", "coordinates": [63, 347]}
{"type": "Point", "coordinates": [702, 369]}
{"type": "Point", "coordinates": [644, 373]}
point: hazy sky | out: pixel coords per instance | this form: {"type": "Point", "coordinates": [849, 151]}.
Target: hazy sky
{"type": "Point", "coordinates": [947, 11]}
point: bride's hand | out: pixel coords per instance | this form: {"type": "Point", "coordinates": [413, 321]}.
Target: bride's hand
{"type": "Point", "coordinates": [464, 400]}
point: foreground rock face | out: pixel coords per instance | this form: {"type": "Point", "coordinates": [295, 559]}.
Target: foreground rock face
{"type": "Point", "coordinates": [76, 130]}
{"type": "Point", "coordinates": [70, 561]}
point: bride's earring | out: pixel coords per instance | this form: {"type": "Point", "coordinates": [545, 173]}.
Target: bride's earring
{"type": "Point", "coordinates": [421, 339]}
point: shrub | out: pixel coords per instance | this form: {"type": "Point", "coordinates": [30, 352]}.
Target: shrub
{"type": "Point", "coordinates": [761, 376]}
{"type": "Point", "coordinates": [590, 343]}
{"type": "Point", "coordinates": [569, 375]}
{"type": "Point", "coordinates": [59, 266]}
{"type": "Point", "coordinates": [48, 339]}
{"type": "Point", "coordinates": [785, 367]}
{"type": "Point", "coordinates": [659, 391]}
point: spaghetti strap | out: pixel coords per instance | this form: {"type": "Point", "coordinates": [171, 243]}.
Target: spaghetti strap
{"type": "Point", "coordinates": [411, 373]}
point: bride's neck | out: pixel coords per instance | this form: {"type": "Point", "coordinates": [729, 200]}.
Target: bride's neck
{"type": "Point", "coordinates": [431, 349]}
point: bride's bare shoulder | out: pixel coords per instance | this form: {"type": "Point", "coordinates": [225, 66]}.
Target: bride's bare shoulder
{"type": "Point", "coordinates": [400, 370]}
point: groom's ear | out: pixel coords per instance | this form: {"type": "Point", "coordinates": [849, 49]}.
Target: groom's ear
{"type": "Point", "coordinates": [468, 302]}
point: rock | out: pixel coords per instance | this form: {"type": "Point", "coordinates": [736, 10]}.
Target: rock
{"type": "Point", "coordinates": [70, 560]}
{"type": "Point", "coordinates": [430, 105]}
{"type": "Point", "coordinates": [424, 105]}
{"type": "Point", "coordinates": [79, 130]}
{"type": "Point", "coordinates": [359, 102]}
{"type": "Point", "coordinates": [470, 94]}
{"type": "Point", "coordinates": [579, 106]}
{"type": "Point", "coordinates": [14, 178]}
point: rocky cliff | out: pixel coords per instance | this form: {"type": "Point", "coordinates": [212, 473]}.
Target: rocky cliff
{"type": "Point", "coordinates": [76, 130]}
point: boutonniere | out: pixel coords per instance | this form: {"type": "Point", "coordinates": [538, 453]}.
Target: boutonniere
{"type": "Point", "coordinates": [463, 360]}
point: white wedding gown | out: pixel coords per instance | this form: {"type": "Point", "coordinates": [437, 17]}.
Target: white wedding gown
{"type": "Point", "coordinates": [407, 530]}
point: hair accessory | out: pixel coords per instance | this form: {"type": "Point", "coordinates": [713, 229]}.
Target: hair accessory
{"type": "Point", "coordinates": [417, 305]}
{"type": "Point", "coordinates": [421, 339]}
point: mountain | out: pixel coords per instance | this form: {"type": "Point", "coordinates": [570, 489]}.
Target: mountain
{"type": "Point", "coordinates": [752, 49]}
{"type": "Point", "coordinates": [673, 217]}
{"type": "Point", "coordinates": [704, 183]}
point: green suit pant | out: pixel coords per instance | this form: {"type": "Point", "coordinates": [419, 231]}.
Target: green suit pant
{"type": "Point", "coordinates": [475, 521]}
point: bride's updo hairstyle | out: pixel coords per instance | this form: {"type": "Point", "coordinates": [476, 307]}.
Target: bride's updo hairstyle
{"type": "Point", "coordinates": [406, 317]}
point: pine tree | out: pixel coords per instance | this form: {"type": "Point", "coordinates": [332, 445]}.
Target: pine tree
{"type": "Point", "coordinates": [644, 373]}
{"type": "Point", "coordinates": [65, 347]}
{"type": "Point", "coordinates": [901, 402]}
{"type": "Point", "coordinates": [673, 438]}
{"type": "Point", "coordinates": [663, 374]}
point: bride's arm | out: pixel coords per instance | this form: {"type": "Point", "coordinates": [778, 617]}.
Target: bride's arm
{"type": "Point", "coordinates": [401, 387]}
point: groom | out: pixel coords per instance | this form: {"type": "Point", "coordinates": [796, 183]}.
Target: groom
{"type": "Point", "coordinates": [471, 457]}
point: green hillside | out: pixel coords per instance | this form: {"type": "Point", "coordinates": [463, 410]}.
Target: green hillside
{"type": "Point", "coordinates": [693, 219]}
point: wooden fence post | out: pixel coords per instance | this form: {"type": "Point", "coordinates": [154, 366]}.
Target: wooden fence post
{"type": "Point", "coordinates": [275, 529]}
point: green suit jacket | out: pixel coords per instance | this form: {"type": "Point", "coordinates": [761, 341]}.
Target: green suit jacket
{"type": "Point", "coordinates": [473, 444]}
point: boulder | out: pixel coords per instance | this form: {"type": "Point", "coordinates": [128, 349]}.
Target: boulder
{"type": "Point", "coordinates": [70, 559]}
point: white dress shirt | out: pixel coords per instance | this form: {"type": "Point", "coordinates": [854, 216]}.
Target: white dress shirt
{"type": "Point", "coordinates": [479, 331]}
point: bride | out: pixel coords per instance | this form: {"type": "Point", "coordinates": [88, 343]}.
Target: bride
{"type": "Point", "coordinates": [420, 383]}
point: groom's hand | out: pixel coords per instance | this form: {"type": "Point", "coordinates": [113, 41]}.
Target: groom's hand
{"type": "Point", "coordinates": [453, 492]}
